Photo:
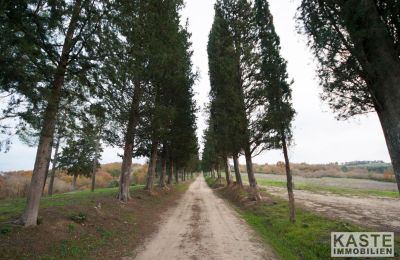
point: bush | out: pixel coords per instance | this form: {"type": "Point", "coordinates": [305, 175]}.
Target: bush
{"type": "Point", "coordinates": [71, 228]}
{"type": "Point", "coordinates": [139, 174]}
{"type": "Point", "coordinates": [4, 230]}
{"type": "Point", "coordinates": [14, 185]}
{"type": "Point", "coordinates": [79, 218]}
{"type": "Point", "coordinates": [113, 184]}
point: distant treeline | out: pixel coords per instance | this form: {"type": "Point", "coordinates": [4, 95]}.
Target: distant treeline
{"type": "Point", "coordinates": [371, 166]}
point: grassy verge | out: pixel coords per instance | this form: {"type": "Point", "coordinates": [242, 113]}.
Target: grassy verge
{"type": "Point", "coordinates": [11, 208]}
{"type": "Point", "coordinates": [308, 238]}
{"type": "Point", "coordinates": [86, 225]}
{"type": "Point", "coordinates": [335, 190]}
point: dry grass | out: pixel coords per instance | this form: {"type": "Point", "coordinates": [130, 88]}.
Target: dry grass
{"type": "Point", "coordinates": [16, 184]}
{"type": "Point", "coordinates": [323, 170]}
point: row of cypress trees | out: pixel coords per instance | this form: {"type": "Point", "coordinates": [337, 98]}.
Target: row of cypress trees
{"type": "Point", "coordinates": [78, 75]}
{"type": "Point", "coordinates": [250, 109]}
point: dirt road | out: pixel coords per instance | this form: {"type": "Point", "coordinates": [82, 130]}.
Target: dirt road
{"type": "Point", "coordinates": [203, 226]}
{"type": "Point", "coordinates": [376, 212]}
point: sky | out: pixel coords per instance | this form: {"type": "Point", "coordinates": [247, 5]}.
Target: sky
{"type": "Point", "coordinates": [318, 136]}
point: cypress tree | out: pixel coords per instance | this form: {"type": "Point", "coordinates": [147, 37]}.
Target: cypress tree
{"type": "Point", "coordinates": [356, 45]}
{"type": "Point", "coordinates": [40, 60]}
{"type": "Point", "coordinates": [278, 112]}
{"type": "Point", "coordinates": [241, 20]}
{"type": "Point", "coordinates": [226, 109]}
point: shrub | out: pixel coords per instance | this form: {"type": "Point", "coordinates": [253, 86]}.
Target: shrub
{"type": "Point", "coordinates": [15, 185]}
{"type": "Point", "coordinates": [71, 228]}
{"type": "Point", "coordinates": [113, 184]}
{"type": "Point", "coordinates": [139, 174]}
{"type": "Point", "coordinates": [79, 218]}
{"type": "Point", "coordinates": [5, 229]}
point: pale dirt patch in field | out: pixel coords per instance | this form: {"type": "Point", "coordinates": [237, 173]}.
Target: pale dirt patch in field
{"type": "Point", "coordinates": [334, 182]}
{"type": "Point", "coordinates": [376, 212]}
{"type": "Point", "coordinates": [203, 226]}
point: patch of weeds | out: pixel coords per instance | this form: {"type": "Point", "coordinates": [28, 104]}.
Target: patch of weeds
{"type": "Point", "coordinates": [79, 218]}
{"type": "Point", "coordinates": [5, 229]}
{"type": "Point", "coordinates": [68, 250]}
{"type": "Point", "coordinates": [113, 184]}
{"type": "Point", "coordinates": [71, 228]}
{"type": "Point", "coordinates": [105, 234]}
{"type": "Point", "coordinates": [181, 187]}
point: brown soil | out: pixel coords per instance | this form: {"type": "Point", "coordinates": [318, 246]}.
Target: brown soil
{"type": "Point", "coordinates": [111, 229]}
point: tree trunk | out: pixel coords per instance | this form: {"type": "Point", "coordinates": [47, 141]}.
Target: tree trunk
{"type": "Point", "coordinates": [124, 181]}
{"type": "Point", "coordinates": [227, 171]}
{"type": "Point", "coordinates": [289, 182]}
{"type": "Point", "coordinates": [176, 176]}
{"type": "Point", "coordinates": [74, 181]}
{"type": "Point", "coordinates": [252, 180]}
{"type": "Point", "coordinates": [54, 167]}
{"type": "Point", "coordinates": [48, 166]}
{"type": "Point", "coordinates": [249, 168]}
{"type": "Point", "coordinates": [163, 167]}
{"type": "Point", "coordinates": [379, 58]}
{"type": "Point", "coordinates": [152, 166]}
{"type": "Point", "coordinates": [170, 172]}
{"type": "Point", "coordinates": [391, 128]}
{"type": "Point", "coordinates": [29, 217]}
{"type": "Point", "coordinates": [94, 167]}
{"type": "Point", "coordinates": [237, 170]}
{"type": "Point", "coordinates": [219, 178]}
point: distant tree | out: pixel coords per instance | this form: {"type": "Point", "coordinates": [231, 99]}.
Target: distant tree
{"type": "Point", "coordinates": [357, 46]}
{"type": "Point", "coordinates": [210, 155]}
{"type": "Point", "coordinates": [170, 110]}
{"type": "Point", "coordinates": [81, 154]}
{"type": "Point", "coordinates": [240, 16]}
{"type": "Point", "coordinates": [278, 110]}
{"type": "Point", "coordinates": [226, 108]}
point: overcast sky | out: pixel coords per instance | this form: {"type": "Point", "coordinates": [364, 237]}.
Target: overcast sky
{"type": "Point", "coordinates": [319, 137]}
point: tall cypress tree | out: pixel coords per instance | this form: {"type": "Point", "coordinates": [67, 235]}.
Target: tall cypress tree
{"type": "Point", "coordinates": [241, 20]}
{"type": "Point", "coordinates": [226, 107]}
{"type": "Point", "coordinates": [123, 77]}
{"type": "Point", "coordinates": [357, 46]}
{"type": "Point", "coordinates": [278, 112]}
{"type": "Point", "coordinates": [53, 42]}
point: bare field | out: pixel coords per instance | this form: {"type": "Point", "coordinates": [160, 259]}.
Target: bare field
{"type": "Point", "coordinates": [335, 182]}
{"type": "Point", "coordinates": [376, 212]}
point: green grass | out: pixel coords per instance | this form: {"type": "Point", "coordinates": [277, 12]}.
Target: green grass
{"type": "Point", "coordinates": [308, 238]}
{"type": "Point", "coordinates": [181, 187]}
{"type": "Point", "coordinates": [10, 208]}
{"type": "Point", "coordinates": [112, 232]}
{"type": "Point", "coordinates": [335, 190]}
